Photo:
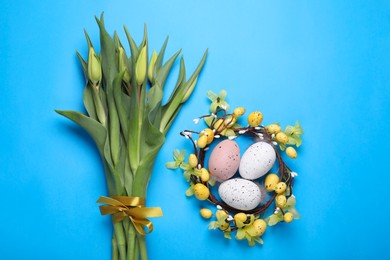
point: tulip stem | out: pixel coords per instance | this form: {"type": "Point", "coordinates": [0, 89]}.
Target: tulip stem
{"type": "Point", "coordinates": [131, 237]}
{"type": "Point", "coordinates": [142, 247]}
{"type": "Point", "coordinates": [120, 239]}
{"type": "Point", "coordinates": [115, 252]}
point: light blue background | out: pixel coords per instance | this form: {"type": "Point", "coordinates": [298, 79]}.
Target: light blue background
{"type": "Point", "coordinates": [325, 63]}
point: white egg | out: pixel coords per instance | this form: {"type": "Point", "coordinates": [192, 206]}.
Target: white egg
{"type": "Point", "coordinates": [257, 160]}
{"type": "Point", "coordinates": [240, 194]}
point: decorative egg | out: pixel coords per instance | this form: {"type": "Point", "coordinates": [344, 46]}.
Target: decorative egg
{"type": "Point", "coordinates": [257, 160]}
{"type": "Point", "coordinates": [240, 194]}
{"type": "Point", "coordinates": [224, 160]}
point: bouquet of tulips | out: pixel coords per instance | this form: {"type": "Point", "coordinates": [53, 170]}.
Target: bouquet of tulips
{"type": "Point", "coordinates": [128, 122]}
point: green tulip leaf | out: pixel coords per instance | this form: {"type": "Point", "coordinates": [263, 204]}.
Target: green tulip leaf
{"type": "Point", "coordinates": [93, 127]}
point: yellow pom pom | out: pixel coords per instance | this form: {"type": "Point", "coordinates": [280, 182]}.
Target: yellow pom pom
{"type": "Point", "coordinates": [193, 160]}
{"type": "Point", "coordinates": [202, 141]}
{"type": "Point", "coordinates": [288, 217]}
{"type": "Point", "coordinates": [219, 125]}
{"type": "Point", "coordinates": [204, 175]}
{"type": "Point", "coordinates": [270, 182]}
{"type": "Point", "coordinates": [230, 121]}
{"type": "Point", "coordinates": [206, 213]}
{"type": "Point", "coordinates": [240, 217]}
{"type": "Point", "coordinates": [239, 111]}
{"type": "Point", "coordinates": [273, 129]}
{"type": "Point", "coordinates": [209, 134]}
{"type": "Point", "coordinates": [282, 138]}
{"type": "Point", "coordinates": [221, 214]}
{"type": "Point", "coordinates": [260, 226]}
{"type": "Point", "coordinates": [255, 118]}
{"type": "Point", "coordinates": [201, 191]}
{"type": "Point", "coordinates": [291, 152]}
{"type": "Point", "coordinates": [281, 201]}
{"type": "Point", "coordinates": [280, 187]}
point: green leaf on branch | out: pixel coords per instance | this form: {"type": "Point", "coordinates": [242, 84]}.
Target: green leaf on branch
{"type": "Point", "coordinates": [294, 134]}
{"type": "Point", "coordinates": [227, 235]}
{"type": "Point", "coordinates": [218, 100]}
{"type": "Point", "coordinates": [171, 165]}
{"type": "Point", "coordinates": [274, 219]}
{"type": "Point", "coordinates": [190, 191]}
{"type": "Point", "coordinates": [259, 240]}
{"type": "Point", "coordinates": [240, 235]}
{"type": "Point", "coordinates": [213, 225]}
{"type": "Point", "coordinates": [187, 176]}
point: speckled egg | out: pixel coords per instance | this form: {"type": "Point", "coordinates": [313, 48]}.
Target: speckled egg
{"type": "Point", "coordinates": [240, 194]}
{"type": "Point", "coordinates": [224, 160]}
{"type": "Point", "coordinates": [257, 160]}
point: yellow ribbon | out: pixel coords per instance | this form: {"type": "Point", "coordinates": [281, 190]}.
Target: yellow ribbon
{"type": "Point", "coordinates": [134, 208]}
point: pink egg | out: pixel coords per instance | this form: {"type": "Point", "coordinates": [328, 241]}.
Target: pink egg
{"type": "Point", "coordinates": [224, 160]}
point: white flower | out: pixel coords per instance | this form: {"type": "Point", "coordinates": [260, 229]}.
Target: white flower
{"type": "Point", "coordinates": [273, 135]}
{"type": "Point", "coordinates": [294, 174]}
{"type": "Point", "coordinates": [229, 218]}
{"type": "Point", "coordinates": [196, 121]}
{"type": "Point", "coordinates": [205, 149]}
{"type": "Point", "coordinates": [217, 136]}
{"type": "Point", "coordinates": [257, 127]}
{"type": "Point", "coordinates": [232, 137]}
{"type": "Point", "coordinates": [219, 207]}
{"type": "Point", "coordinates": [275, 143]}
{"type": "Point", "coordinates": [199, 166]}
{"type": "Point", "coordinates": [213, 115]}
{"type": "Point", "coordinates": [241, 132]}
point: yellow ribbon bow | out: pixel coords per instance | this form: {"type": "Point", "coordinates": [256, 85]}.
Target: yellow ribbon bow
{"type": "Point", "coordinates": [134, 208]}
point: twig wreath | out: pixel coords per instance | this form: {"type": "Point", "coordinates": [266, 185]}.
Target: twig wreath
{"type": "Point", "coordinates": [242, 204]}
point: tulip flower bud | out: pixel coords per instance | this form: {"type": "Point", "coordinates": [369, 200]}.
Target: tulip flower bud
{"type": "Point", "coordinates": [123, 65]}
{"type": "Point", "coordinates": [151, 66]}
{"type": "Point", "coordinates": [140, 66]}
{"type": "Point", "coordinates": [189, 91]}
{"type": "Point", "coordinates": [94, 68]}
